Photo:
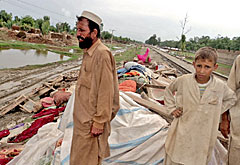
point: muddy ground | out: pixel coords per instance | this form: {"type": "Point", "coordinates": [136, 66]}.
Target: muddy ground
{"type": "Point", "coordinates": [12, 81]}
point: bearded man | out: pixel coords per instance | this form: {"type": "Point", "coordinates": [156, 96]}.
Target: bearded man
{"type": "Point", "coordinates": [96, 96]}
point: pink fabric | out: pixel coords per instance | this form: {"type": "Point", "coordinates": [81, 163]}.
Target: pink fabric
{"type": "Point", "coordinates": [144, 57]}
{"type": "Point", "coordinates": [47, 102]}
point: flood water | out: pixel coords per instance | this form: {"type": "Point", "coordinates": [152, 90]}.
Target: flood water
{"type": "Point", "coordinates": [14, 58]}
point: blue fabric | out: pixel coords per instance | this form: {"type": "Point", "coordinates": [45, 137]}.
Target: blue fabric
{"type": "Point", "coordinates": [122, 70]}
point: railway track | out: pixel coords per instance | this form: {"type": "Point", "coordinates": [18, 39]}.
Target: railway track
{"type": "Point", "coordinates": [182, 65]}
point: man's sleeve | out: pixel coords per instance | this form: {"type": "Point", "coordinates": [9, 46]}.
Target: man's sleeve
{"type": "Point", "coordinates": [229, 98]}
{"type": "Point", "coordinates": [232, 78]}
{"type": "Point", "coordinates": [104, 93]}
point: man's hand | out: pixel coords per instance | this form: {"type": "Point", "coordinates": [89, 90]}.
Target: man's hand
{"type": "Point", "coordinates": [177, 113]}
{"type": "Point", "coordinates": [96, 132]}
{"type": "Point", "coordinates": [225, 128]}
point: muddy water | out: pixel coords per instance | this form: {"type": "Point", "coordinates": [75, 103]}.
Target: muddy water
{"type": "Point", "coordinates": [14, 58]}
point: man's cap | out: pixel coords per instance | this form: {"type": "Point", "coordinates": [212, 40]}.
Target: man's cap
{"type": "Point", "coordinates": [93, 17]}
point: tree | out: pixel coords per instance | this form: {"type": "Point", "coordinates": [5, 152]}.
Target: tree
{"type": "Point", "coordinates": [45, 27]}
{"type": "Point", "coordinates": [152, 40]}
{"type": "Point", "coordinates": [106, 35]}
{"type": "Point", "coordinates": [38, 24]}
{"type": "Point", "coordinates": [183, 33]}
{"type": "Point", "coordinates": [17, 20]}
{"type": "Point", "coordinates": [183, 42]}
{"type": "Point", "coordinates": [28, 20]}
{"type": "Point", "coordinates": [5, 17]}
{"type": "Point", "coordinates": [52, 29]}
{"type": "Point", "coordinates": [62, 27]}
{"type": "Point", "coordinates": [46, 18]}
{"type": "Point", "coordinates": [159, 41]}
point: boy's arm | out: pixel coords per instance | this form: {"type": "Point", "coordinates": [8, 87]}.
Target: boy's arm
{"type": "Point", "coordinates": [169, 99]}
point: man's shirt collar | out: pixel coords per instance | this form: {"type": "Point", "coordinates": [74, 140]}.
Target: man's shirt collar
{"type": "Point", "coordinates": [93, 47]}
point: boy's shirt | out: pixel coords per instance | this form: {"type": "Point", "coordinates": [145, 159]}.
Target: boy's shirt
{"type": "Point", "coordinates": [192, 136]}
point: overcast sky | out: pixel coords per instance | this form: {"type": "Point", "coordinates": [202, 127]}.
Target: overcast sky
{"type": "Point", "coordinates": [140, 19]}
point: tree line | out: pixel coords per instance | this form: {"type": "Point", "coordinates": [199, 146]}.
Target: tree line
{"type": "Point", "coordinates": [195, 43]}
{"type": "Point", "coordinates": [27, 22]}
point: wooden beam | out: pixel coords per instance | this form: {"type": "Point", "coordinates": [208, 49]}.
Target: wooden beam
{"type": "Point", "coordinates": [161, 110]}
{"type": "Point", "coordinates": [24, 108]}
{"type": "Point", "coordinates": [153, 86]}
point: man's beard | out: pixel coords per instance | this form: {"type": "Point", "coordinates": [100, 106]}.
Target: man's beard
{"type": "Point", "coordinates": [86, 43]}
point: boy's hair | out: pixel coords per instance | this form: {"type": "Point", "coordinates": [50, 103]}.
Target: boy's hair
{"type": "Point", "coordinates": [206, 53]}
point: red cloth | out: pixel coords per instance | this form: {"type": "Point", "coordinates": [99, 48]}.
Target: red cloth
{"type": "Point", "coordinates": [5, 161]}
{"type": "Point", "coordinates": [44, 112]}
{"type": "Point", "coordinates": [128, 85]}
{"type": "Point", "coordinates": [32, 130]}
{"type": "Point", "coordinates": [4, 133]}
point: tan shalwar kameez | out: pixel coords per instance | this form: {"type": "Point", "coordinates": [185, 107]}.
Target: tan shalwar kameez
{"type": "Point", "coordinates": [234, 83]}
{"type": "Point", "coordinates": [192, 136]}
{"type": "Point", "coordinates": [96, 103]}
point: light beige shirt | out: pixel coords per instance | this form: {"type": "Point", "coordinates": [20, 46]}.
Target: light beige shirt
{"type": "Point", "coordinates": [234, 83]}
{"type": "Point", "coordinates": [192, 136]}
{"type": "Point", "coordinates": [96, 100]}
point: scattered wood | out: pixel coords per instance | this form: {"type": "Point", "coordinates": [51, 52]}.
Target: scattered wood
{"type": "Point", "coordinates": [21, 100]}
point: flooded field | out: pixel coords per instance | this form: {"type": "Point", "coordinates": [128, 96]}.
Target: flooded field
{"type": "Point", "coordinates": [14, 58]}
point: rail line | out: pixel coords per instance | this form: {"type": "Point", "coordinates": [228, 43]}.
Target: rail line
{"type": "Point", "coordinates": [182, 65]}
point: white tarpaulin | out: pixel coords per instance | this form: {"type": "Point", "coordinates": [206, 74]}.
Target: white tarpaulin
{"type": "Point", "coordinates": [137, 137]}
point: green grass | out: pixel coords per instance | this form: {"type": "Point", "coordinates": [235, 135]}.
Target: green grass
{"type": "Point", "coordinates": [21, 45]}
{"type": "Point", "coordinates": [128, 55]}
{"type": "Point", "coordinates": [224, 65]}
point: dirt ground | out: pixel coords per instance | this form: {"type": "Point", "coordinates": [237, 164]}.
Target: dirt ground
{"type": "Point", "coordinates": [13, 81]}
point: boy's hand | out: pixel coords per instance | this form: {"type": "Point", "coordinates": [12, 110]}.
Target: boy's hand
{"type": "Point", "coordinates": [177, 113]}
{"type": "Point", "coordinates": [225, 128]}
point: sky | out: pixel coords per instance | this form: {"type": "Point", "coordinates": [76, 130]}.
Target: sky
{"type": "Point", "coordinates": [140, 19]}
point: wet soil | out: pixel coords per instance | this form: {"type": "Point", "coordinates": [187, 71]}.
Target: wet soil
{"type": "Point", "coordinates": [15, 82]}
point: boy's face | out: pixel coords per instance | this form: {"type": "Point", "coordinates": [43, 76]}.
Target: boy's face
{"type": "Point", "coordinates": [204, 69]}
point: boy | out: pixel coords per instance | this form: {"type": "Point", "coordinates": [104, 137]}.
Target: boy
{"type": "Point", "coordinates": [200, 100]}
{"type": "Point", "coordinates": [234, 146]}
